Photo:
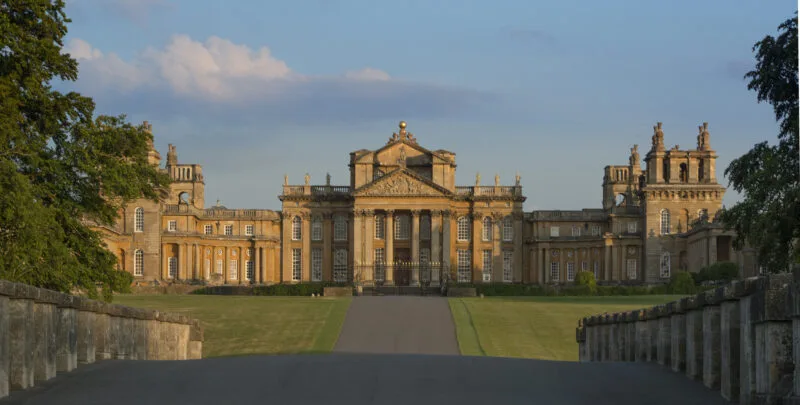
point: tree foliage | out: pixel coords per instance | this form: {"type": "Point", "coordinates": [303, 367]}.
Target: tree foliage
{"type": "Point", "coordinates": [768, 176]}
{"type": "Point", "coordinates": [60, 167]}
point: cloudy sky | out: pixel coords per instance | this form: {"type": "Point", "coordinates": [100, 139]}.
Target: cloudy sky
{"type": "Point", "coordinates": [554, 90]}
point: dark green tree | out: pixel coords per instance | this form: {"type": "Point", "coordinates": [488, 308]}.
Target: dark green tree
{"type": "Point", "coordinates": [768, 176]}
{"type": "Point", "coordinates": [60, 167]}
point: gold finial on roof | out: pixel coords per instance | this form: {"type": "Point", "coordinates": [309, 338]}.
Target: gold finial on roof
{"type": "Point", "coordinates": [402, 124]}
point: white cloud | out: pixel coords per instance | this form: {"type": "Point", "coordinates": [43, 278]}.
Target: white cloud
{"type": "Point", "coordinates": [233, 82]}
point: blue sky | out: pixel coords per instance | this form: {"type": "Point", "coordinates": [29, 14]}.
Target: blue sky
{"type": "Point", "coordinates": [555, 90]}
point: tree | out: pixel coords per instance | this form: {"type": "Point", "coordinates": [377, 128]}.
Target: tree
{"type": "Point", "coordinates": [768, 217]}
{"type": "Point", "coordinates": [60, 167]}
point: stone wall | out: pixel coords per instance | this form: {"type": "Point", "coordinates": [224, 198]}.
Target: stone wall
{"type": "Point", "coordinates": [43, 332]}
{"type": "Point", "coordinates": [742, 339]}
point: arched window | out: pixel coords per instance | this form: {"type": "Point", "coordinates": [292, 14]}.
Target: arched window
{"type": "Point", "coordinates": [487, 229]}
{"type": "Point", "coordinates": [138, 219]}
{"type": "Point", "coordinates": [316, 229]}
{"type": "Point", "coordinates": [138, 263]}
{"type": "Point", "coordinates": [665, 221]}
{"type": "Point", "coordinates": [297, 228]}
{"type": "Point", "coordinates": [339, 228]}
{"type": "Point", "coordinates": [508, 229]}
{"type": "Point", "coordinates": [463, 228]}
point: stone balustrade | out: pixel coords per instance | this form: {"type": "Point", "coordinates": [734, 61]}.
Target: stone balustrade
{"type": "Point", "coordinates": [742, 339]}
{"type": "Point", "coordinates": [43, 332]}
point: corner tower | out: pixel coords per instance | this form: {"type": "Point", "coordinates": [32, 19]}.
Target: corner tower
{"type": "Point", "coordinates": [679, 187]}
{"type": "Point", "coordinates": [188, 185]}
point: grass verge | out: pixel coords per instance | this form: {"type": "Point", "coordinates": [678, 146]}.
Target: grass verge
{"type": "Point", "coordinates": [237, 325]}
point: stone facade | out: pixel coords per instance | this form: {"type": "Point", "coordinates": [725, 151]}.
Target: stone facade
{"type": "Point", "coordinates": [402, 220]}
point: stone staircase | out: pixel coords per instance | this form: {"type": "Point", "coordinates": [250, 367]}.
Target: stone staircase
{"type": "Point", "coordinates": [402, 290]}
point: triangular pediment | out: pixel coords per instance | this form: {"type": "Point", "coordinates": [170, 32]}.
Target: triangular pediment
{"type": "Point", "coordinates": [401, 182]}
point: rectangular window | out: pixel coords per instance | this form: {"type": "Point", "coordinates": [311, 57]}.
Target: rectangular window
{"type": "Point", "coordinates": [595, 230]}
{"type": "Point", "coordinates": [554, 271]}
{"type": "Point", "coordinates": [486, 234]}
{"type": "Point", "coordinates": [219, 266]}
{"type": "Point", "coordinates": [508, 229]}
{"type": "Point", "coordinates": [251, 270]}
{"type": "Point", "coordinates": [487, 265]}
{"type": "Point", "coordinates": [173, 267]}
{"type": "Point", "coordinates": [340, 265]}
{"type": "Point", "coordinates": [402, 227]}
{"type": "Point", "coordinates": [138, 264]}
{"type": "Point", "coordinates": [297, 264]}
{"type": "Point", "coordinates": [380, 223]}
{"type": "Point", "coordinates": [631, 227]}
{"type": "Point", "coordinates": [172, 226]}
{"type": "Point", "coordinates": [464, 266]}
{"type": "Point", "coordinates": [248, 230]}
{"type": "Point", "coordinates": [233, 269]}
{"type": "Point", "coordinates": [228, 230]}
{"type": "Point", "coordinates": [463, 229]}
{"type": "Point", "coordinates": [570, 271]}
{"type": "Point", "coordinates": [596, 268]}
{"type": "Point", "coordinates": [508, 266]}
{"type": "Point", "coordinates": [425, 227]}
{"type": "Point", "coordinates": [576, 230]}
{"type": "Point", "coordinates": [380, 264]}
{"type": "Point", "coordinates": [208, 229]}
{"type": "Point", "coordinates": [554, 231]}
{"type": "Point", "coordinates": [666, 265]}
{"type": "Point", "coordinates": [339, 228]}
{"type": "Point", "coordinates": [631, 269]}
{"type": "Point", "coordinates": [584, 266]}
{"type": "Point", "coordinates": [316, 229]}
{"type": "Point", "coordinates": [424, 263]}
{"type": "Point", "coordinates": [316, 264]}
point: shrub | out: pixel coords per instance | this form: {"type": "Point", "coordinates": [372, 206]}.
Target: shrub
{"type": "Point", "coordinates": [720, 271]}
{"type": "Point", "coordinates": [682, 283]}
{"type": "Point", "coordinates": [586, 278]}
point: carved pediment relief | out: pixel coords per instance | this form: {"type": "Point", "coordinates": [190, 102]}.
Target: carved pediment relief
{"type": "Point", "coordinates": [400, 151]}
{"type": "Point", "coordinates": [399, 184]}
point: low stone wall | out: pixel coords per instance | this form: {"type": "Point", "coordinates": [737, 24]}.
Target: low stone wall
{"type": "Point", "coordinates": [43, 332]}
{"type": "Point", "coordinates": [742, 339]}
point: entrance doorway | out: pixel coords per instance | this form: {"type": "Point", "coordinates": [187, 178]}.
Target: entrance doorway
{"type": "Point", "coordinates": [402, 267]}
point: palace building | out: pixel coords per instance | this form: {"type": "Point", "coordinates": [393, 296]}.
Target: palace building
{"type": "Point", "coordinates": [402, 220]}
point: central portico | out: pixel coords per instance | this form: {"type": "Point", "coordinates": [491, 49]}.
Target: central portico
{"type": "Point", "coordinates": [402, 221]}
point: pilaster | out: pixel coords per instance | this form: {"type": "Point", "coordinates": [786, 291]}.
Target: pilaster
{"type": "Point", "coordinates": [446, 241]}
{"type": "Point", "coordinates": [497, 250]}
{"type": "Point", "coordinates": [327, 252]}
{"type": "Point", "coordinates": [436, 245]}
{"type": "Point", "coordinates": [306, 254]}
{"type": "Point", "coordinates": [518, 253]}
{"type": "Point", "coordinates": [415, 247]}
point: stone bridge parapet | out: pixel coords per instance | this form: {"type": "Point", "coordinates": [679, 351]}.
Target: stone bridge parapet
{"type": "Point", "coordinates": [44, 332]}
{"type": "Point", "coordinates": [742, 339]}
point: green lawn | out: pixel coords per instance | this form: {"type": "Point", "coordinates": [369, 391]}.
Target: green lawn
{"type": "Point", "coordinates": [256, 325]}
{"type": "Point", "coordinates": [532, 327]}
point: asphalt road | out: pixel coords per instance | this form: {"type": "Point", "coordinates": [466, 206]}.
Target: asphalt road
{"type": "Point", "coordinates": [367, 379]}
{"type": "Point", "coordinates": [398, 325]}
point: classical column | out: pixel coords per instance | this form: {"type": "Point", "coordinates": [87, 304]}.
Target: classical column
{"type": "Point", "coordinates": [497, 250]}
{"type": "Point", "coordinates": [164, 263]}
{"type": "Point", "coordinates": [197, 263]}
{"type": "Point", "coordinates": [532, 276]}
{"type": "Point", "coordinates": [358, 238]}
{"type": "Point", "coordinates": [389, 234]}
{"type": "Point", "coordinates": [241, 264]}
{"type": "Point", "coordinates": [606, 259]}
{"type": "Point", "coordinates": [436, 245]}
{"type": "Point", "coordinates": [327, 246]}
{"type": "Point", "coordinates": [618, 254]}
{"type": "Point", "coordinates": [712, 250]}
{"type": "Point", "coordinates": [270, 264]}
{"type": "Point", "coordinates": [306, 254]}
{"type": "Point", "coordinates": [258, 272]}
{"type": "Point", "coordinates": [226, 266]}
{"type": "Point", "coordinates": [368, 267]}
{"type": "Point", "coordinates": [415, 247]}
{"type": "Point", "coordinates": [446, 242]}
{"type": "Point", "coordinates": [518, 253]}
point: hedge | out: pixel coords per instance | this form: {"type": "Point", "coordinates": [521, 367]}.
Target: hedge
{"type": "Point", "coordinates": [557, 290]}
{"type": "Point", "coordinates": [300, 289]}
